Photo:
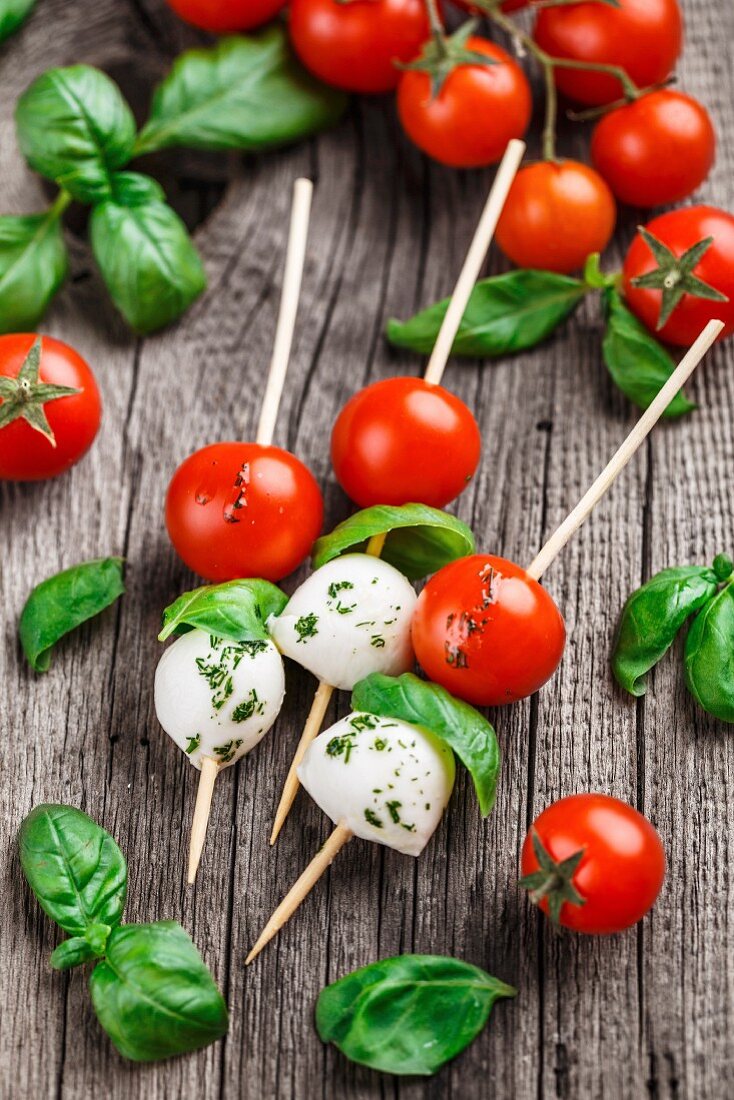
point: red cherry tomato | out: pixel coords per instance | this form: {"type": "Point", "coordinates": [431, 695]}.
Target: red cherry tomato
{"type": "Point", "coordinates": [679, 230]}
{"type": "Point", "coordinates": [354, 46]}
{"type": "Point", "coordinates": [402, 441]}
{"type": "Point", "coordinates": [620, 873]}
{"type": "Point", "coordinates": [477, 111]}
{"type": "Point", "coordinates": [555, 216]}
{"type": "Point", "coordinates": [486, 631]}
{"type": "Point", "coordinates": [26, 454]}
{"type": "Point", "coordinates": [656, 150]}
{"type": "Point", "coordinates": [226, 16]}
{"type": "Point", "coordinates": [644, 37]}
{"type": "Point", "coordinates": [243, 510]}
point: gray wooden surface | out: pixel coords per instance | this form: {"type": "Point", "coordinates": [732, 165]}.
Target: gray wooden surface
{"type": "Point", "coordinates": [645, 1014]}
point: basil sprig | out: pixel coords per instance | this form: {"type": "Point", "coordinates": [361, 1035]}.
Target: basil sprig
{"type": "Point", "coordinates": [13, 13]}
{"type": "Point", "coordinates": [709, 656]}
{"type": "Point", "coordinates": [462, 727]}
{"type": "Point", "coordinates": [63, 602]}
{"type": "Point", "coordinates": [151, 991]}
{"type": "Point", "coordinates": [409, 1014]}
{"type": "Point", "coordinates": [420, 540]}
{"type": "Point", "coordinates": [236, 610]}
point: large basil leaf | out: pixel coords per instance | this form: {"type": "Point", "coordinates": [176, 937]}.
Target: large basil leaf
{"type": "Point", "coordinates": [652, 617]}
{"type": "Point", "coordinates": [410, 1014]}
{"type": "Point", "coordinates": [147, 259]}
{"type": "Point", "coordinates": [709, 656]}
{"type": "Point", "coordinates": [243, 93]}
{"type": "Point", "coordinates": [74, 127]}
{"type": "Point", "coordinates": [63, 602]}
{"type": "Point", "coordinates": [638, 364]}
{"type": "Point", "coordinates": [74, 868]}
{"type": "Point", "coordinates": [237, 610]}
{"type": "Point", "coordinates": [153, 994]}
{"type": "Point", "coordinates": [462, 727]}
{"type": "Point", "coordinates": [33, 265]}
{"type": "Point", "coordinates": [12, 14]}
{"type": "Point", "coordinates": [419, 542]}
{"type": "Point", "coordinates": [505, 314]}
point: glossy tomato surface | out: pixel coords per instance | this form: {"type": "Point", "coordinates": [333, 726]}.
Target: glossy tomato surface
{"type": "Point", "coordinates": [622, 868]}
{"type": "Point", "coordinates": [354, 46]}
{"type": "Point", "coordinates": [26, 454]}
{"type": "Point", "coordinates": [405, 441]}
{"type": "Point", "coordinates": [226, 16]}
{"type": "Point", "coordinates": [478, 110]}
{"type": "Point", "coordinates": [644, 37]}
{"type": "Point", "coordinates": [243, 510]}
{"type": "Point", "coordinates": [555, 216]}
{"type": "Point", "coordinates": [486, 631]}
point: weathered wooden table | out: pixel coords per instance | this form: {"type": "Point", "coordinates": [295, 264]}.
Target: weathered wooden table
{"type": "Point", "coordinates": [648, 1013]}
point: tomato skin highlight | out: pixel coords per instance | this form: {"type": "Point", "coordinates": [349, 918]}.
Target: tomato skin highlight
{"type": "Point", "coordinates": [475, 114]}
{"type": "Point", "coordinates": [486, 631]}
{"type": "Point", "coordinates": [623, 867]}
{"type": "Point", "coordinates": [555, 216]}
{"type": "Point", "coordinates": [25, 454]}
{"type": "Point", "coordinates": [226, 16]}
{"type": "Point", "coordinates": [655, 151]}
{"type": "Point", "coordinates": [243, 510]}
{"type": "Point", "coordinates": [405, 441]}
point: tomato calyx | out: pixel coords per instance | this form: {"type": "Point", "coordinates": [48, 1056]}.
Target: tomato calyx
{"type": "Point", "coordinates": [443, 53]}
{"type": "Point", "coordinates": [553, 881]}
{"type": "Point", "coordinates": [24, 397]}
{"type": "Point", "coordinates": [674, 275]}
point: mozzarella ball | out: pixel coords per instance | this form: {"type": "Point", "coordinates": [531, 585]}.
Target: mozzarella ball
{"type": "Point", "coordinates": [218, 698]}
{"type": "Point", "coordinates": [387, 780]}
{"type": "Point", "coordinates": [350, 618]}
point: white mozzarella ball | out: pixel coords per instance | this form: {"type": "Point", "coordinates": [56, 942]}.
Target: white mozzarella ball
{"type": "Point", "coordinates": [387, 780]}
{"type": "Point", "coordinates": [348, 619]}
{"type": "Point", "coordinates": [218, 698]}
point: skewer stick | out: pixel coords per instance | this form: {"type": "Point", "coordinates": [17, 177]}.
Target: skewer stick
{"type": "Point", "coordinates": [639, 433]}
{"type": "Point", "coordinates": [209, 773]}
{"type": "Point", "coordinates": [474, 260]}
{"type": "Point", "coordinates": [304, 885]}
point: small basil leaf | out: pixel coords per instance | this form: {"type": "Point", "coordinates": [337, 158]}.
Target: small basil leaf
{"type": "Point", "coordinates": [33, 265]}
{"type": "Point", "coordinates": [420, 539]}
{"type": "Point", "coordinates": [505, 314]}
{"type": "Point", "coordinates": [153, 994]}
{"type": "Point", "coordinates": [63, 602]}
{"type": "Point", "coordinates": [243, 93]}
{"type": "Point", "coordinates": [709, 656]}
{"type": "Point", "coordinates": [638, 364]}
{"type": "Point", "coordinates": [462, 727]}
{"type": "Point", "coordinates": [74, 868]}
{"type": "Point", "coordinates": [12, 14]}
{"type": "Point", "coordinates": [147, 259]}
{"type": "Point", "coordinates": [135, 189]}
{"type": "Point", "coordinates": [408, 1015]}
{"type": "Point", "coordinates": [652, 617]}
{"type": "Point", "coordinates": [73, 952]}
{"type": "Point", "coordinates": [74, 127]}
{"type": "Point", "coordinates": [237, 610]}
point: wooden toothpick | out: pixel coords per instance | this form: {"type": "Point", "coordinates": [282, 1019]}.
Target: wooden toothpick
{"type": "Point", "coordinates": [207, 779]}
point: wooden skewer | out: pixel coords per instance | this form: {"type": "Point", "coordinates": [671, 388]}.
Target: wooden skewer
{"type": "Point", "coordinates": [209, 773]}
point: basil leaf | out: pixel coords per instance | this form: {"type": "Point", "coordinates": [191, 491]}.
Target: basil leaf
{"type": "Point", "coordinates": [63, 602]}
{"type": "Point", "coordinates": [462, 727]}
{"type": "Point", "coordinates": [153, 994]}
{"type": "Point", "coordinates": [147, 259]}
{"type": "Point", "coordinates": [74, 127]}
{"type": "Point", "coordinates": [243, 93]}
{"type": "Point", "coordinates": [33, 265]}
{"type": "Point", "coordinates": [74, 868]}
{"type": "Point", "coordinates": [652, 617]}
{"type": "Point", "coordinates": [135, 189]}
{"type": "Point", "coordinates": [237, 610]}
{"type": "Point", "coordinates": [505, 314]}
{"type": "Point", "coordinates": [638, 364]}
{"type": "Point", "coordinates": [709, 656]}
{"type": "Point", "coordinates": [73, 952]}
{"type": "Point", "coordinates": [409, 1014]}
{"type": "Point", "coordinates": [420, 539]}
{"type": "Point", "coordinates": [12, 14]}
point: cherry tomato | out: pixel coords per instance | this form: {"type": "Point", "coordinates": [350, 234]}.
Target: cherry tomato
{"type": "Point", "coordinates": [403, 441]}
{"type": "Point", "coordinates": [226, 16]}
{"type": "Point", "coordinates": [486, 631]}
{"type": "Point", "coordinates": [644, 37]}
{"type": "Point", "coordinates": [476, 112]}
{"type": "Point", "coordinates": [354, 46]}
{"type": "Point", "coordinates": [656, 150]}
{"type": "Point", "coordinates": [555, 216]}
{"type": "Point", "coordinates": [69, 422]}
{"type": "Point", "coordinates": [679, 230]}
{"type": "Point", "coordinates": [243, 510]}
{"type": "Point", "coordinates": [618, 876]}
